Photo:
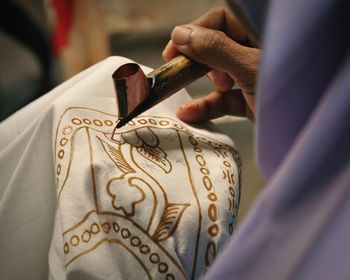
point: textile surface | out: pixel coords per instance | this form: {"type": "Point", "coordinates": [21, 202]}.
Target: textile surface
{"type": "Point", "coordinates": [80, 199]}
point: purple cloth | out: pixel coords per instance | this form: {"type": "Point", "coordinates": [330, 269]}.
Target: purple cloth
{"type": "Point", "coordinates": [300, 226]}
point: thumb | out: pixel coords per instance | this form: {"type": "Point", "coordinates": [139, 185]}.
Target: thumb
{"type": "Point", "coordinates": [217, 50]}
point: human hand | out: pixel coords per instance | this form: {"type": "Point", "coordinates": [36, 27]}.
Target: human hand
{"type": "Point", "coordinates": [213, 39]}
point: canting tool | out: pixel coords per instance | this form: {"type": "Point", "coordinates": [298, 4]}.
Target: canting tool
{"type": "Point", "coordinates": [137, 92]}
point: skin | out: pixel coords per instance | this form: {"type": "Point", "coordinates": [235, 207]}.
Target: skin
{"type": "Point", "coordinates": [212, 39]}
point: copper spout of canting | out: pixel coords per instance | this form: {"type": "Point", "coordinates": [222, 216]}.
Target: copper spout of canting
{"type": "Point", "coordinates": [132, 87]}
{"type": "Point", "coordinates": [137, 92]}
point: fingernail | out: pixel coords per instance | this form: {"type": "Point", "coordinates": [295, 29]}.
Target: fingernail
{"type": "Point", "coordinates": [192, 106]}
{"type": "Point", "coordinates": [181, 35]}
{"type": "Point", "coordinates": [210, 75]}
{"type": "Point", "coordinates": [164, 53]}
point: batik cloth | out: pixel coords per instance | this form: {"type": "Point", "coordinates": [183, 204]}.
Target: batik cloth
{"type": "Point", "coordinates": [80, 199]}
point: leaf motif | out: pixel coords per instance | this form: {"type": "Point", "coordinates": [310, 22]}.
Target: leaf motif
{"type": "Point", "coordinates": [169, 221]}
{"type": "Point", "coordinates": [117, 157]}
{"type": "Point", "coordinates": [156, 155]}
{"type": "Point", "coordinates": [147, 136]}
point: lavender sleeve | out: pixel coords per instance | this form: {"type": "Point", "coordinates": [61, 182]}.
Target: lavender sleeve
{"type": "Point", "coordinates": [299, 226]}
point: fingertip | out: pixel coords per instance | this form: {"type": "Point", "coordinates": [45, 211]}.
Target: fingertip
{"type": "Point", "coordinates": [169, 51]}
{"type": "Point", "coordinates": [188, 112]}
{"type": "Point", "coordinates": [185, 111]}
{"type": "Point", "coordinates": [192, 112]}
{"type": "Point", "coordinates": [166, 50]}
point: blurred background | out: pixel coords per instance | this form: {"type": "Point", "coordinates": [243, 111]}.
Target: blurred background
{"type": "Point", "coordinates": [45, 42]}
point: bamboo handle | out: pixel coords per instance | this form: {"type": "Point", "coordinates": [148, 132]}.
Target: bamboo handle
{"type": "Point", "coordinates": [175, 75]}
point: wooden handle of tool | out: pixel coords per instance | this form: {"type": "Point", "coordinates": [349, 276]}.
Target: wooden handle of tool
{"type": "Point", "coordinates": [175, 75]}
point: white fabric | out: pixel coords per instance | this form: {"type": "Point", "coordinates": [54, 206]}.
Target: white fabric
{"type": "Point", "coordinates": [80, 200]}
